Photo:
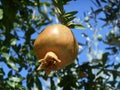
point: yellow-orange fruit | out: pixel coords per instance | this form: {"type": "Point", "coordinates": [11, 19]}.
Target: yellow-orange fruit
{"type": "Point", "coordinates": [55, 47]}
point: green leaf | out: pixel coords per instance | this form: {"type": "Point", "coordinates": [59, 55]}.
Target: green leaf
{"type": "Point", "coordinates": [52, 84]}
{"type": "Point", "coordinates": [105, 57]}
{"type": "Point", "coordinates": [45, 3]}
{"type": "Point", "coordinates": [98, 2]}
{"type": "Point", "coordinates": [1, 14]}
{"type": "Point", "coordinates": [11, 84]}
{"type": "Point", "coordinates": [98, 11]}
{"type": "Point", "coordinates": [30, 81]}
{"type": "Point", "coordinates": [16, 79]}
{"type": "Point", "coordinates": [69, 19]}
{"type": "Point", "coordinates": [9, 62]}
{"type": "Point", "coordinates": [10, 73]}
{"type": "Point", "coordinates": [13, 41]}
{"type": "Point", "coordinates": [12, 64]}
{"type": "Point", "coordinates": [77, 26]}
{"type": "Point", "coordinates": [1, 72]}
{"type": "Point", "coordinates": [38, 83]}
{"type": "Point", "coordinates": [6, 56]}
{"type": "Point", "coordinates": [59, 6]}
{"type": "Point", "coordinates": [69, 14]}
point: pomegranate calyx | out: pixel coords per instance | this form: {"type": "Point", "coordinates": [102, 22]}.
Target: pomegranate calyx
{"type": "Point", "coordinates": [49, 62]}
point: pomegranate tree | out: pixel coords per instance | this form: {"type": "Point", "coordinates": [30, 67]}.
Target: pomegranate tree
{"type": "Point", "coordinates": [55, 48]}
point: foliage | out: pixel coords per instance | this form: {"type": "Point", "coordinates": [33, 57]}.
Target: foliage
{"type": "Point", "coordinates": [20, 21]}
{"type": "Point", "coordinates": [105, 66]}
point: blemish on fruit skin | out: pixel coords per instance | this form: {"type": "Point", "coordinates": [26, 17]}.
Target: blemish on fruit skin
{"type": "Point", "coordinates": [55, 47]}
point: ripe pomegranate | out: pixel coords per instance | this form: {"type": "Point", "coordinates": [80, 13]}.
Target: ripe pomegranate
{"type": "Point", "coordinates": [55, 47]}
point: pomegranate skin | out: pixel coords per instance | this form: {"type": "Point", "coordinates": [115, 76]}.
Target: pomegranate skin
{"type": "Point", "coordinates": [55, 47]}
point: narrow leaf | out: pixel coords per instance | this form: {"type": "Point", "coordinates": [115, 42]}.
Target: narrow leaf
{"type": "Point", "coordinates": [38, 83]}
{"type": "Point", "coordinates": [69, 14]}
{"type": "Point", "coordinates": [1, 14]}
{"type": "Point", "coordinates": [12, 65]}
{"type": "Point", "coordinates": [67, 20]}
{"type": "Point", "coordinates": [98, 11]}
{"type": "Point", "coordinates": [77, 26]}
{"type": "Point", "coordinates": [1, 71]}
{"type": "Point", "coordinates": [98, 2]}
{"type": "Point", "coordinates": [16, 79]}
{"type": "Point", "coordinates": [105, 58]}
{"type": "Point", "coordinates": [30, 81]}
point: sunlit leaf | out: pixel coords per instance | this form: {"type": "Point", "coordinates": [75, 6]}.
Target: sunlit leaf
{"type": "Point", "coordinates": [69, 14]}
{"type": "Point", "coordinates": [10, 62]}
{"type": "Point", "coordinates": [11, 84]}
{"type": "Point", "coordinates": [16, 79]}
{"type": "Point", "coordinates": [13, 41]}
{"type": "Point", "coordinates": [1, 14]}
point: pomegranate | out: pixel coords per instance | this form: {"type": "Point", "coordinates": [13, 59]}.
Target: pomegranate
{"type": "Point", "coordinates": [55, 47]}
